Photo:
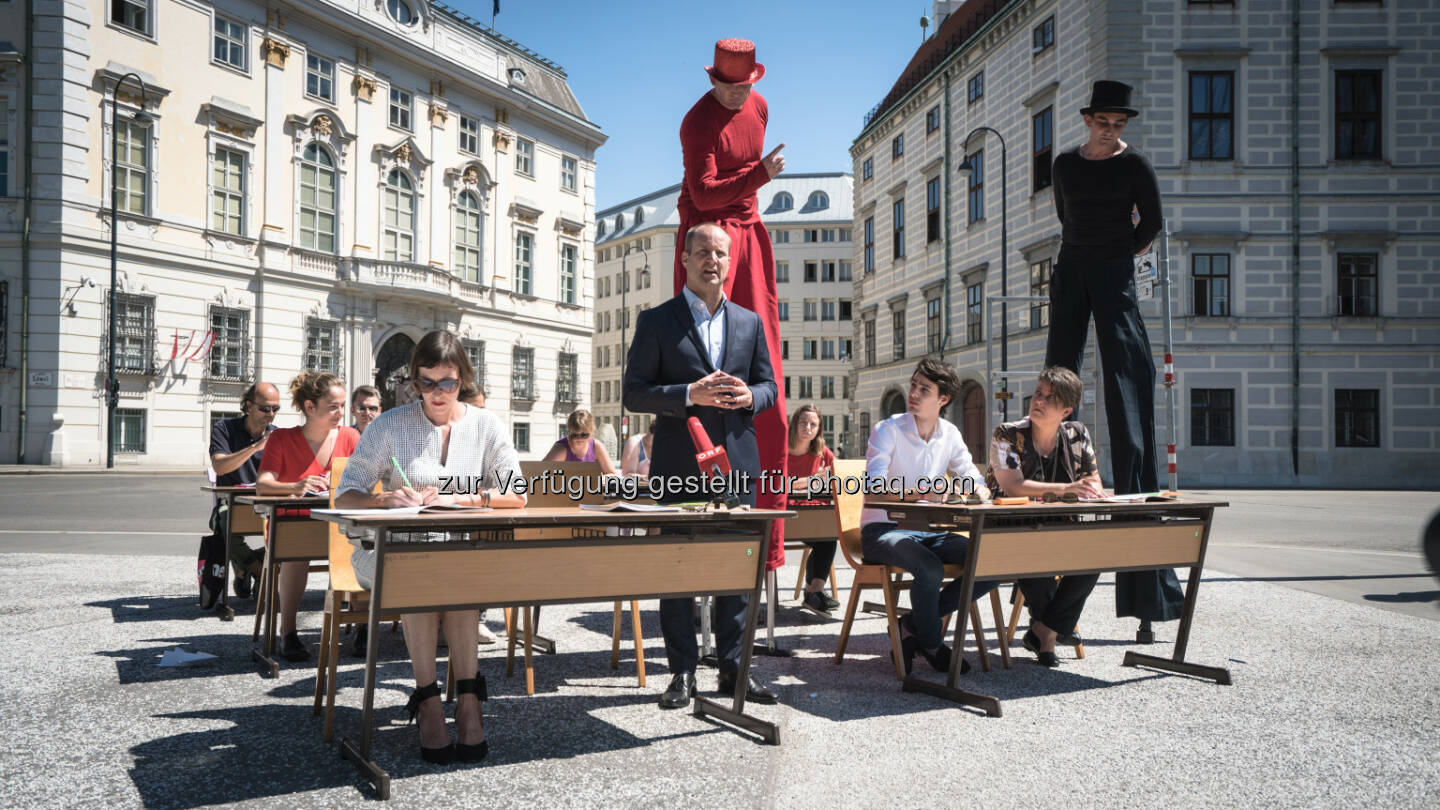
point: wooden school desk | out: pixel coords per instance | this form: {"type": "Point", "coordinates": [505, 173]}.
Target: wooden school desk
{"type": "Point", "coordinates": [292, 536]}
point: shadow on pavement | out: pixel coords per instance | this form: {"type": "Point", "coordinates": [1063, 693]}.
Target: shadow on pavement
{"type": "Point", "coordinates": [167, 609]}
{"type": "Point", "coordinates": [1409, 596]}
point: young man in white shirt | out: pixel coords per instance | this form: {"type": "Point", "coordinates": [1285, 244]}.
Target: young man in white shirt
{"type": "Point", "coordinates": [913, 453]}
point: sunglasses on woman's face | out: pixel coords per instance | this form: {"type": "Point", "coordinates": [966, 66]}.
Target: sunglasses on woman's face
{"type": "Point", "coordinates": [579, 435]}
{"type": "Point", "coordinates": [1066, 497]}
{"type": "Point", "coordinates": [447, 385]}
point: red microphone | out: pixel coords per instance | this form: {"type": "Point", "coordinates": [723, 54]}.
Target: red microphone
{"type": "Point", "coordinates": [711, 459]}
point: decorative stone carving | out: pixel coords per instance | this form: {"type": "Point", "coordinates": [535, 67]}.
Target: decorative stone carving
{"type": "Point", "coordinates": [471, 175]}
{"type": "Point", "coordinates": [365, 88]}
{"type": "Point", "coordinates": [438, 115]}
{"type": "Point", "coordinates": [323, 125]}
{"type": "Point", "coordinates": [403, 154]}
{"type": "Point", "coordinates": [275, 52]}
{"type": "Point", "coordinates": [502, 141]}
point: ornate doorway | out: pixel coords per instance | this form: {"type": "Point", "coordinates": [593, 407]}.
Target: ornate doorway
{"type": "Point", "coordinates": [392, 369]}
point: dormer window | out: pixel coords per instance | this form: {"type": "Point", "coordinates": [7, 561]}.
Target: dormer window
{"type": "Point", "coordinates": [517, 76]}
{"type": "Point", "coordinates": [639, 215]}
{"type": "Point", "coordinates": [400, 11]}
{"type": "Point", "coordinates": [819, 200]}
{"type": "Point", "coordinates": [600, 229]}
{"type": "Point", "coordinates": [782, 202]}
{"type": "Point", "coordinates": [619, 222]}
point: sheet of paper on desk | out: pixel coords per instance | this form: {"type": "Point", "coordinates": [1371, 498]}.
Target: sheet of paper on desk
{"type": "Point", "coordinates": [432, 509]}
{"type": "Point", "coordinates": [627, 506]}
{"type": "Point", "coordinates": [1139, 497]}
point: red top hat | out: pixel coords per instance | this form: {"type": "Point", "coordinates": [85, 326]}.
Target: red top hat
{"type": "Point", "coordinates": [735, 62]}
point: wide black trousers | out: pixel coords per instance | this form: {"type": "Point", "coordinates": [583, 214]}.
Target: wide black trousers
{"type": "Point", "coordinates": [677, 624]}
{"type": "Point", "coordinates": [1079, 286]}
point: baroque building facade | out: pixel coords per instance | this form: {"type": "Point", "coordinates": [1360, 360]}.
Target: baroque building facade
{"type": "Point", "coordinates": [808, 217]}
{"type": "Point", "coordinates": [305, 186]}
{"type": "Point", "coordinates": [1301, 214]}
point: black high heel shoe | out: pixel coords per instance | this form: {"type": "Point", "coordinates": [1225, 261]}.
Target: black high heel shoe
{"type": "Point", "coordinates": [437, 756]}
{"type": "Point", "coordinates": [471, 686]}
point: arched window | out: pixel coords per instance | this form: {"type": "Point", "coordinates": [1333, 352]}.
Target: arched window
{"type": "Point", "coordinates": [600, 229]}
{"type": "Point", "coordinates": [782, 202]}
{"type": "Point", "coordinates": [400, 11]}
{"type": "Point", "coordinates": [619, 222]}
{"type": "Point", "coordinates": [397, 243]}
{"type": "Point", "coordinates": [819, 200]}
{"type": "Point", "coordinates": [467, 237]}
{"type": "Point", "coordinates": [317, 199]}
{"type": "Point", "coordinates": [639, 215]}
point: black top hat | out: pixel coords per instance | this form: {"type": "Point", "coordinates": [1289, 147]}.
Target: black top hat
{"type": "Point", "coordinates": [1108, 96]}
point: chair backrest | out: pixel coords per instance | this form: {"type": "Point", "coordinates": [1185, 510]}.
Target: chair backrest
{"type": "Point", "coordinates": [583, 475]}
{"type": "Point", "coordinates": [342, 573]}
{"type": "Point", "coordinates": [847, 510]}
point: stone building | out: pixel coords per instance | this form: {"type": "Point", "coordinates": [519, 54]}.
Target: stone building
{"type": "Point", "coordinates": [311, 185]}
{"type": "Point", "coordinates": [1301, 209]}
{"type": "Point", "coordinates": [808, 216]}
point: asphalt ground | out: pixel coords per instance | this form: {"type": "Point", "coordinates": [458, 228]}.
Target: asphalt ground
{"type": "Point", "coordinates": [1334, 702]}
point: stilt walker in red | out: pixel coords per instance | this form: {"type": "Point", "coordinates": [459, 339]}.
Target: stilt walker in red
{"type": "Point", "coordinates": [723, 137]}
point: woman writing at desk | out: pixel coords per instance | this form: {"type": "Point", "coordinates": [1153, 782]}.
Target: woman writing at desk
{"type": "Point", "coordinates": [296, 462]}
{"type": "Point", "coordinates": [579, 443]}
{"type": "Point", "coordinates": [1038, 456]}
{"type": "Point", "coordinates": [410, 448]}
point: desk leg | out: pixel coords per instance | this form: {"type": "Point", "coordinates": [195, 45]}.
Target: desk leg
{"type": "Point", "coordinates": [1177, 662]}
{"type": "Point", "coordinates": [223, 610]}
{"type": "Point", "coordinates": [735, 713]}
{"type": "Point", "coordinates": [360, 756]}
{"type": "Point", "coordinates": [265, 655]}
{"type": "Point", "coordinates": [949, 691]}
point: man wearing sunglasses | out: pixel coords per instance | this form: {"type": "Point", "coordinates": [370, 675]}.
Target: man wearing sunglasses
{"type": "Point", "coordinates": [236, 448]}
{"type": "Point", "coordinates": [364, 406]}
{"type": "Point", "coordinates": [1044, 456]}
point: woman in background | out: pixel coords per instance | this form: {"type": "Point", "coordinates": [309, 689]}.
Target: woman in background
{"type": "Point", "coordinates": [809, 457]}
{"type": "Point", "coordinates": [579, 443]}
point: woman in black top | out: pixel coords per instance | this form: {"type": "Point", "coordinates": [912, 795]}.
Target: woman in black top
{"type": "Point", "coordinates": [1100, 187]}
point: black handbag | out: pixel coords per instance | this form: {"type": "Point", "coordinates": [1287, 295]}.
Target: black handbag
{"type": "Point", "coordinates": [210, 565]}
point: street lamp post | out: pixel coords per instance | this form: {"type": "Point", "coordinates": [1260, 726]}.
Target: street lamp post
{"type": "Point", "coordinates": [112, 385]}
{"type": "Point", "coordinates": [625, 322]}
{"type": "Point", "coordinates": [966, 168]}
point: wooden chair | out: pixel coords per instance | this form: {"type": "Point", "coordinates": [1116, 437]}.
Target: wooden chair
{"type": "Point", "coordinates": [346, 602]}
{"type": "Point", "coordinates": [890, 580]}
{"type": "Point", "coordinates": [811, 523]}
{"type": "Point", "coordinates": [1015, 621]}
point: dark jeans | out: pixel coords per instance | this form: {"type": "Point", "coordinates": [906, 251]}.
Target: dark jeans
{"type": "Point", "coordinates": [1079, 286]}
{"type": "Point", "coordinates": [242, 556]}
{"type": "Point", "coordinates": [923, 555]}
{"type": "Point", "coordinates": [822, 557]}
{"type": "Point", "coordinates": [677, 623]}
{"type": "Point", "coordinates": [1058, 604]}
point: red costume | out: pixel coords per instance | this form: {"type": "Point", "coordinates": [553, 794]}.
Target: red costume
{"type": "Point", "coordinates": [723, 170]}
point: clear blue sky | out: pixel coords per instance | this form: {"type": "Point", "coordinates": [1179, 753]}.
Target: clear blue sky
{"type": "Point", "coordinates": [638, 65]}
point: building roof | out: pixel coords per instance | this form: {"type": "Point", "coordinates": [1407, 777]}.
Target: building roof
{"type": "Point", "coordinates": [815, 197]}
{"type": "Point", "coordinates": [957, 29]}
{"type": "Point", "coordinates": [544, 78]}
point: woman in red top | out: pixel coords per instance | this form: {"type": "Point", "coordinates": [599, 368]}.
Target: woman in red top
{"type": "Point", "coordinates": [809, 460]}
{"type": "Point", "coordinates": [297, 461]}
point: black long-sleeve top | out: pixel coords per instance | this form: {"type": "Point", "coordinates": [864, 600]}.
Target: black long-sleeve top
{"type": "Point", "coordinates": [1094, 198]}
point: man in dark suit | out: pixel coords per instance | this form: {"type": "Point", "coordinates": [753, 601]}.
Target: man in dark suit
{"type": "Point", "coordinates": [701, 355]}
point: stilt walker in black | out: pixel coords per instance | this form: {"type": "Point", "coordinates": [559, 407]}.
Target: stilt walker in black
{"type": "Point", "coordinates": [1099, 185]}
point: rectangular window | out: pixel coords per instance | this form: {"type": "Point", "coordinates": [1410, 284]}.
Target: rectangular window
{"type": "Point", "coordinates": [827, 234]}
{"type": "Point", "coordinates": [782, 272]}
{"type": "Point", "coordinates": [807, 387]}
{"type": "Point", "coordinates": [827, 310]}
{"type": "Point", "coordinates": [1210, 273]}
{"type": "Point", "coordinates": [812, 234]}
{"type": "Point", "coordinates": [809, 353]}
{"type": "Point", "coordinates": [1357, 114]}
{"type": "Point", "coordinates": [973, 310]}
{"type": "Point", "coordinates": [932, 119]}
{"type": "Point", "coordinates": [867, 169]}
{"type": "Point", "coordinates": [870, 341]}
{"type": "Point", "coordinates": [230, 354]}
{"type": "Point", "coordinates": [569, 173]}
{"type": "Point", "coordinates": [811, 311]}
{"type": "Point", "coordinates": [827, 350]}
{"type": "Point", "coordinates": [1040, 286]}
{"type": "Point", "coordinates": [4, 155]}
{"type": "Point", "coordinates": [780, 236]}
{"type": "Point", "coordinates": [467, 238]}
{"type": "Point", "coordinates": [401, 109]}
{"type": "Point", "coordinates": [319, 77]}
{"type": "Point", "coordinates": [897, 146]}
{"type": "Point", "coordinates": [897, 333]}
{"type": "Point", "coordinates": [133, 167]}
{"type": "Point", "coordinates": [932, 210]}
{"type": "Point", "coordinates": [1043, 35]}
{"type": "Point", "coordinates": [977, 187]}
{"type": "Point", "coordinates": [897, 235]}
{"type": "Point", "coordinates": [975, 88]}
{"type": "Point", "coordinates": [525, 157]}
{"type": "Point", "coordinates": [229, 43]}
{"type": "Point", "coordinates": [787, 387]}
{"type": "Point", "coordinates": [784, 350]}
{"type": "Point", "coordinates": [569, 265]}
{"type": "Point", "coordinates": [932, 325]}
{"type": "Point", "coordinates": [133, 14]}
{"type": "Point", "coordinates": [845, 309]}
{"type": "Point", "coordinates": [1357, 417]}
{"type": "Point", "coordinates": [869, 244]}
{"type": "Point", "coordinates": [827, 387]}
{"type": "Point", "coordinates": [1212, 115]}
{"type": "Point", "coordinates": [522, 374]}
{"type": "Point", "coordinates": [812, 272]}
{"type": "Point", "coordinates": [475, 352]}
{"type": "Point", "coordinates": [524, 253]}
{"type": "Point", "coordinates": [1212, 417]}
{"type": "Point", "coordinates": [227, 192]}
{"type": "Point", "coordinates": [783, 308]}
{"type": "Point", "coordinates": [129, 430]}
{"type": "Point", "coordinates": [520, 437]}
{"type": "Point", "coordinates": [844, 273]}
{"type": "Point", "coordinates": [844, 349]}
{"type": "Point", "coordinates": [567, 378]}
{"type": "Point", "coordinates": [134, 333]}
{"type": "Point", "coordinates": [469, 135]}
{"type": "Point", "coordinates": [1042, 145]}
{"type": "Point", "coordinates": [321, 346]}
{"type": "Point", "coordinates": [1357, 284]}
{"type": "Point", "coordinates": [317, 202]}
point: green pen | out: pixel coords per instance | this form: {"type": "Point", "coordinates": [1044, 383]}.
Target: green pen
{"type": "Point", "coordinates": [401, 471]}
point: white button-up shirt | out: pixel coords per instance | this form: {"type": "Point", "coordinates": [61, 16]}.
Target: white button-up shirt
{"type": "Point", "coordinates": [897, 459]}
{"type": "Point", "coordinates": [710, 327]}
